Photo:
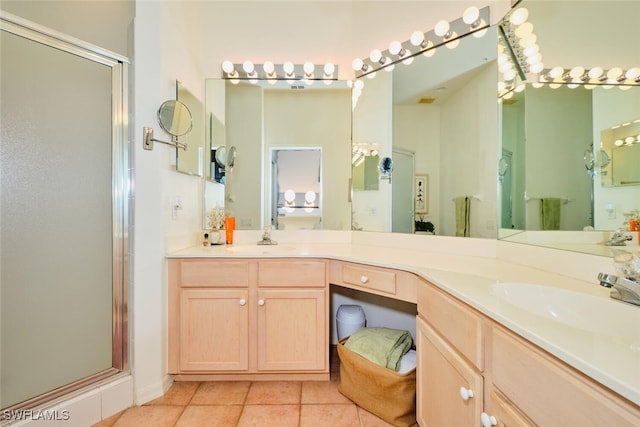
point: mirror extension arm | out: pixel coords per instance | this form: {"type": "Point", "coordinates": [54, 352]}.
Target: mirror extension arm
{"type": "Point", "coordinates": [148, 140]}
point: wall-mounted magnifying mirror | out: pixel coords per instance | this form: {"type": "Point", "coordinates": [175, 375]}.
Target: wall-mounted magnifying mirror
{"type": "Point", "coordinates": [175, 118]}
{"type": "Point", "coordinates": [231, 158]}
{"type": "Point", "coordinates": [386, 167]}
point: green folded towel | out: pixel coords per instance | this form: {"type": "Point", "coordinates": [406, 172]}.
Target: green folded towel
{"type": "Point", "coordinates": [462, 207]}
{"type": "Point", "coordinates": [384, 346]}
{"type": "Point", "coordinates": [550, 213]}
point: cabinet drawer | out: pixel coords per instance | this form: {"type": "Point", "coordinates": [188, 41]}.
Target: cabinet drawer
{"type": "Point", "coordinates": [206, 273]}
{"type": "Point", "coordinates": [549, 392]}
{"type": "Point", "coordinates": [456, 323]}
{"type": "Point", "coordinates": [369, 277]}
{"type": "Point", "coordinates": [292, 273]}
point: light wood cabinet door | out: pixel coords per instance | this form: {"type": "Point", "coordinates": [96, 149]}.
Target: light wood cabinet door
{"type": "Point", "coordinates": [504, 412]}
{"type": "Point", "coordinates": [214, 330]}
{"type": "Point", "coordinates": [442, 373]}
{"type": "Point", "coordinates": [292, 330]}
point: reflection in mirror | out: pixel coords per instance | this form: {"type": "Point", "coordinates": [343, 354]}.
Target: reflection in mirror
{"type": "Point", "coordinates": [187, 127]}
{"type": "Point", "coordinates": [621, 144]}
{"type": "Point", "coordinates": [551, 134]}
{"type": "Point", "coordinates": [256, 118]}
{"type": "Point", "coordinates": [437, 117]}
{"type": "Point", "coordinates": [296, 200]}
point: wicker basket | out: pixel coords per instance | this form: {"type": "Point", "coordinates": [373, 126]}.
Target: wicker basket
{"type": "Point", "coordinates": [381, 391]}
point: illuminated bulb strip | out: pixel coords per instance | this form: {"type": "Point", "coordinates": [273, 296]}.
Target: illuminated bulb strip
{"type": "Point", "coordinates": [272, 72]}
{"type": "Point", "coordinates": [596, 76]}
{"type": "Point", "coordinates": [474, 21]}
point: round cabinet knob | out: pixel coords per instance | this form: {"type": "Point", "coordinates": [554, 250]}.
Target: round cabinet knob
{"type": "Point", "coordinates": [488, 420]}
{"type": "Point", "coordinates": [466, 393]}
{"type": "Point", "coordinates": [364, 279]}
{"type": "Point", "coordinates": [243, 301]}
{"type": "Point", "coordinates": [260, 302]}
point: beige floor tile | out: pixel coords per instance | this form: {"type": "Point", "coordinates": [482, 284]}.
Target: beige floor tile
{"type": "Point", "coordinates": [150, 416]}
{"type": "Point", "coordinates": [109, 422]}
{"type": "Point", "coordinates": [180, 393]}
{"type": "Point", "coordinates": [270, 416]}
{"type": "Point", "coordinates": [370, 420]}
{"type": "Point", "coordinates": [322, 392]}
{"type": "Point", "coordinates": [210, 416]}
{"type": "Point", "coordinates": [341, 415]}
{"type": "Point", "coordinates": [274, 393]}
{"type": "Point", "coordinates": [221, 393]}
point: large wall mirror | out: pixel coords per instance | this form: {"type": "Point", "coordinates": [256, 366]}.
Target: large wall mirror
{"type": "Point", "coordinates": [557, 181]}
{"type": "Point", "coordinates": [437, 119]}
{"type": "Point", "coordinates": [279, 132]}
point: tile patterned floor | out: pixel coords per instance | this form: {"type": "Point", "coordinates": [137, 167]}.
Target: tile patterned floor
{"type": "Point", "coordinates": [246, 404]}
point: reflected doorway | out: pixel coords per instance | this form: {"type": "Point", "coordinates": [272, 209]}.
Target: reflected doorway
{"type": "Point", "coordinates": [402, 215]}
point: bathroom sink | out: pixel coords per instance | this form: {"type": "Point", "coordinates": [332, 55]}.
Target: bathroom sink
{"type": "Point", "coordinates": [583, 311]}
{"type": "Point", "coordinates": [260, 249]}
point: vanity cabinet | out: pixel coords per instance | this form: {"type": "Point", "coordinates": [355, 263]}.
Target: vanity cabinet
{"type": "Point", "coordinates": [248, 318]}
{"type": "Point", "coordinates": [473, 371]}
{"type": "Point", "coordinates": [450, 382]}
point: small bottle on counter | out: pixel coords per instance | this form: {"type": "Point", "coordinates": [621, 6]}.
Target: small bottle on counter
{"type": "Point", "coordinates": [205, 239]}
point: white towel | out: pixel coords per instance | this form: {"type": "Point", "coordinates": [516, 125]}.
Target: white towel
{"type": "Point", "coordinates": [407, 362]}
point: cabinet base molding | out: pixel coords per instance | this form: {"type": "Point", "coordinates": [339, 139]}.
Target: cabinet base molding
{"type": "Point", "coordinates": [272, 376]}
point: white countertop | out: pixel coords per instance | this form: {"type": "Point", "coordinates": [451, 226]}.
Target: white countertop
{"type": "Point", "coordinates": [583, 326]}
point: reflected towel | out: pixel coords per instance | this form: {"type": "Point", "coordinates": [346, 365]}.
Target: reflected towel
{"type": "Point", "coordinates": [550, 213]}
{"type": "Point", "coordinates": [463, 205]}
{"type": "Point", "coordinates": [380, 345]}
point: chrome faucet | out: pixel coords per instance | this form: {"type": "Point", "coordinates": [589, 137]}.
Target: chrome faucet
{"type": "Point", "coordinates": [266, 237]}
{"type": "Point", "coordinates": [618, 238]}
{"type": "Point", "coordinates": [623, 289]}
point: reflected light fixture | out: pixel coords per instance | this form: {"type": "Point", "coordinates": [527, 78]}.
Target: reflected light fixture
{"type": "Point", "coordinates": [288, 71]}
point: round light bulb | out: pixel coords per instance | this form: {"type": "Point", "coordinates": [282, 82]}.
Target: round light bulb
{"type": "Point", "coordinates": [618, 142]}
{"type": "Point", "coordinates": [375, 55]}
{"type": "Point", "coordinates": [632, 73]}
{"type": "Point", "coordinates": [614, 73]}
{"type": "Point", "coordinates": [534, 59]}
{"type": "Point", "coordinates": [288, 67]}
{"type": "Point", "coordinates": [595, 72]}
{"type": "Point", "coordinates": [531, 50]}
{"type": "Point", "coordinates": [227, 67]}
{"type": "Point", "coordinates": [395, 47]}
{"type": "Point", "coordinates": [471, 15]}
{"type": "Point", "coordinates": [556, 72]}
{"type": "Point", "coordinates": [430, 52]}
{"type": "Point", "coordinates": [501, 86]}
{"type": "Point", "coordinates": [329, 69]}
{"type": "Point", "coordinates": [289, 196]}
{"type": "Point", "coordinates": [537, 68]}
{"type": "Point", "coordinates": [442, 28]}
{"type": "Point", "coordinates": [510, 75]}
{"type": "Point", "coordinates": [519, 16]}
{"type": "Point", "coordinates": [629, 140]}
{"type": "Point", "coordinates": [528, 40]}
{"type": "Point", "coordinates": [308, 68]}
{"type": "Point", "coordinates": [417, 37]}
{"type": "Point", "coordinates": [524, 30]}
{"type": "Point", "coordinates": [357, 64]}
{"type": "Point", "coordinates": [248, 67]}
{"type": "Point", "coordinates": [359, 84]}
{"type": "Point", "coordinates": [520, 87]}
{"type": "Point", "coordinates": [555, 85]}
{"type": "Point", "coordinates": [310, 197]}
{"type": "Point", "coordinates": [576, 72]}
{"type": "Point", "coordinates": [268, 67]}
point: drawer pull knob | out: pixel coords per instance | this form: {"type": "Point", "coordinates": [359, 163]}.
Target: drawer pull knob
{"type": "Point", "coordinates": [488, 420]}
{"type": "Point", "coordinates": [466, 393]}
{"type": "Point", "coordinates": [260, 302]}
{"type": "Point", "coordinates": [243, 301]}
{"type": "Point", "coordinates": [364, 279]}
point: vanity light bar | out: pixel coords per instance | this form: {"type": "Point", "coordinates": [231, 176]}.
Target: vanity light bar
{"type": "Point", "coordinates": [596, 76]}
{"type": "Point", "coordinates": [287, 71]}
{"type": "Point", "coordinates": [474, 21]}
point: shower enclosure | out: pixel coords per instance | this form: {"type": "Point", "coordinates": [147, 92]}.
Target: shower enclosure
{"type": "Point", "coordinates": [63, 214]}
